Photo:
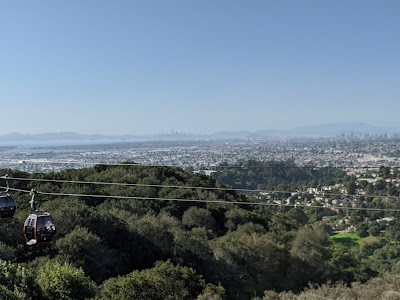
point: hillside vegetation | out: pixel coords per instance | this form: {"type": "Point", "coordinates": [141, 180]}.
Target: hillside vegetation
{"type": "Point", "coordinates": [108, 248]}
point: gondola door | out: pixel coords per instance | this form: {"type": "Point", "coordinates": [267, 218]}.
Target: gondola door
{"type": "Point", "coordinates": [30, 228]}
{"type": "Point", "coordinates": [45, 228]}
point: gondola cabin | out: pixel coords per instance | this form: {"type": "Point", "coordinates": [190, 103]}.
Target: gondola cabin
{"type": "Point", "coordinates": [39, 227]}
{"type": "Point", "coordinates": [7, 206]}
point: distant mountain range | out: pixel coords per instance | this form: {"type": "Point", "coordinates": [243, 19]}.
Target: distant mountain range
{"type": "Point", "coordinates": [326, 130]}
{"type": "Point", "coordinates": [15, 136]}
{"type": "Point", "coordinates": [315, 131]}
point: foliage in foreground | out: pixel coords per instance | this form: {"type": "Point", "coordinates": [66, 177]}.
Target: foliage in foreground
{"type": "Point", "coordinates": [382, 288]}
{"type": "Point", "coordinates": [62, 281]}
{"type": "Point", "coordinates": [177, 250]}
{"type": "Point", "coordinates": [163, 282]}
{"type": "Point", "coordinates": [17, 283]}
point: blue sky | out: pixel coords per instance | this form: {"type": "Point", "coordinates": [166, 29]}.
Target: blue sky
{"type": "Point", "coordinates": [140, 67]}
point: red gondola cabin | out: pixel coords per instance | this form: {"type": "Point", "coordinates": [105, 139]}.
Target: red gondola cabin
{"type": "Point", "coordinates": [39, 227]}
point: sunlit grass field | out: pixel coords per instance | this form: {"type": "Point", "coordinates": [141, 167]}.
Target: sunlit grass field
{"type": "Point", "coordinates": [351, 239]}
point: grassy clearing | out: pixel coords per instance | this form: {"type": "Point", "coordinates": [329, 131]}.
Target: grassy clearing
{"type": "Point", "coordinates": [351, 240]}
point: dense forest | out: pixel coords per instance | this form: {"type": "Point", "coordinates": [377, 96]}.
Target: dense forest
{"type": "Point", "coordinates": [280, 175]}
{"type": "Point", "coordinates": [157, 247]}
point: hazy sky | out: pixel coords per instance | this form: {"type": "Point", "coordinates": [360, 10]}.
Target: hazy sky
{"type": "Point", "coordinates": [138, 67]}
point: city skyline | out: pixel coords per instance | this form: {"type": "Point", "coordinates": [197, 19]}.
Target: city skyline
{"type": "Point", "coordinates": [197, 67]}
{"type": "Point", "coordinates": [321, 131]}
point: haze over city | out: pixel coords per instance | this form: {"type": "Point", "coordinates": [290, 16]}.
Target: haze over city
{"type": "Point", "coordinates": [145, 67]}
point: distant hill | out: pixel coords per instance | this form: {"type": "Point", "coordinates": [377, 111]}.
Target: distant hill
{"type": "Point", "coordinates": [315, 131]}
{"type": "Point", "coordinates": [72, 136]}
{"type": "Point", "coordinates": [50, 136]}
{"type": "Point", "coordinates": [325, 130]}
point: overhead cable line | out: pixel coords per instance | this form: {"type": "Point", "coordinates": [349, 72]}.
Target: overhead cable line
{"type": "Point", "coordinates": [145, 185]}
{"type": "Point", "coordinates": [199, 188]}
{"type": "Point", "coordinates": [147, 198]}
{"type": "Point", "coordinates": [207, 201]}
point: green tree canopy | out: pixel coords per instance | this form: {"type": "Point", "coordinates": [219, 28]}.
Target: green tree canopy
{"type": "Point", "coordinates": [163, 282]}
{"type": "Point", "coordinates": [16, 282]}
{"type": "Point", "coordinates": [63, 281]}
{"type": "Point", "coordinates": [85, 249]}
